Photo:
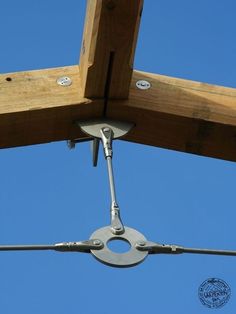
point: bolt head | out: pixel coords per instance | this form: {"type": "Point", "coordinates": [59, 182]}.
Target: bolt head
{"type": "Point", "coordinates": [71, 144]}
{"type": "Point", "coordinates": [143, 84]}
{"type": "Point", "coordinates": [64, 81]}
{"type": "Point", "coordinates": [96, 242]}
{"type": "Point", "coordinates": [141, 243]}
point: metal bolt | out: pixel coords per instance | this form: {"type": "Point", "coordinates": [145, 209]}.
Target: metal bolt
{"type": "Point", "coordinates": [64, 81]}
{"type": "Point", "coordinates": [117, 228]}
{"type": "Point", "coordinates": [71, 144]}
{"type": "Point", "coordinates": [141, 243]}
{"type": "Point", "coordinates": [142, 84]}
{"type": "Point", "coordinates": [96, 242]}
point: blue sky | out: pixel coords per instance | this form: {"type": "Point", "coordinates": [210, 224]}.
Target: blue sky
{"type": "Point", "coordinates": [50, 194]}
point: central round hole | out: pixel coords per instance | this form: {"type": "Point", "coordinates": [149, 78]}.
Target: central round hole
{"type": "Point", "coordinates": [119, 245]}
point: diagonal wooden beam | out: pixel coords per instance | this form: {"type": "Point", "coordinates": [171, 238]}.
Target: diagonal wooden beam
{"type": "Point", "coordinates": [107, 53]}
{"type": "Point", "coordinates": [181, 115]}
{"type": "Point", "coordinates": [35, 109]}
{"type": "Point", "coordinates": [174, 113]}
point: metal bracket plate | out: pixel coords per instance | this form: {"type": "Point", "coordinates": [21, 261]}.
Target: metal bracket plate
{"type": "Point", "coordinates": [93, 127]}
{"type": "Point", "coordinates": [128, 259]}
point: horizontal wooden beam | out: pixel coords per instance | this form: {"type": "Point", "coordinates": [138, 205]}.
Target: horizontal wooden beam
{"type": "Point", "coordinates": [174, 113]}
{"type": "Point", "coordinates": [109, 41]}
{"type": "Point", "coordinates": [181, 115]}
{"type": "Point", "coordinates": [35, 109]}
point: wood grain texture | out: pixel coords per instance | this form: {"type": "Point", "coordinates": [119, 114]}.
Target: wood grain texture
{"type": "Point", "coordinates": [35, 109]}
{"type": "Point", "coordinates": [174, 113]}
{"type": "Point", "coordinates": [109, 41]}
{"type": "Point", "coordinates": [181, 115]}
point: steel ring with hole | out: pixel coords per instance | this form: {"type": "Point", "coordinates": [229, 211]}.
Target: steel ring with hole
{"type": "Point", "coordinates": [127, 259]}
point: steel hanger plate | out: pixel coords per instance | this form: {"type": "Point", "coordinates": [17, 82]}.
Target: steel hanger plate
{"type": "Point", "coordinates": [94, 127]}
{"type": "Point", "coordinates": [127, 259]}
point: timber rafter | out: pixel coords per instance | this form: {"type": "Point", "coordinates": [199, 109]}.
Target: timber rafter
{"type": "Point", "coordinates": [174, 113]}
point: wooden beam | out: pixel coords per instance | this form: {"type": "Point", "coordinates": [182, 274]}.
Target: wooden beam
{"type": "Point", "coordinates": [107, 53]}
{"type": "Point", "coordinates": [35, 109]}
{"type": "Point", "coordinates": [181, 115]}
{"type": "Point", "coordinates": [174, 113]}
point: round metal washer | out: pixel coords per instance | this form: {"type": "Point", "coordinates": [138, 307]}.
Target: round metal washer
{"type": "Point", "coordinates": [108, 257]}
{"type": "Point", "coordinates": [143, 84]}
{"type": "Point", "coordinates": [64, 81]}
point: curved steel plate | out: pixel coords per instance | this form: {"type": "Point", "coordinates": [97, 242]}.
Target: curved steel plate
{"type": "Point", "coordinates": [93, 127]}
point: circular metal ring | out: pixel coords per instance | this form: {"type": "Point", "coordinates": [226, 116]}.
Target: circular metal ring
{"type": "Point", "coordinates": [108, 257]}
